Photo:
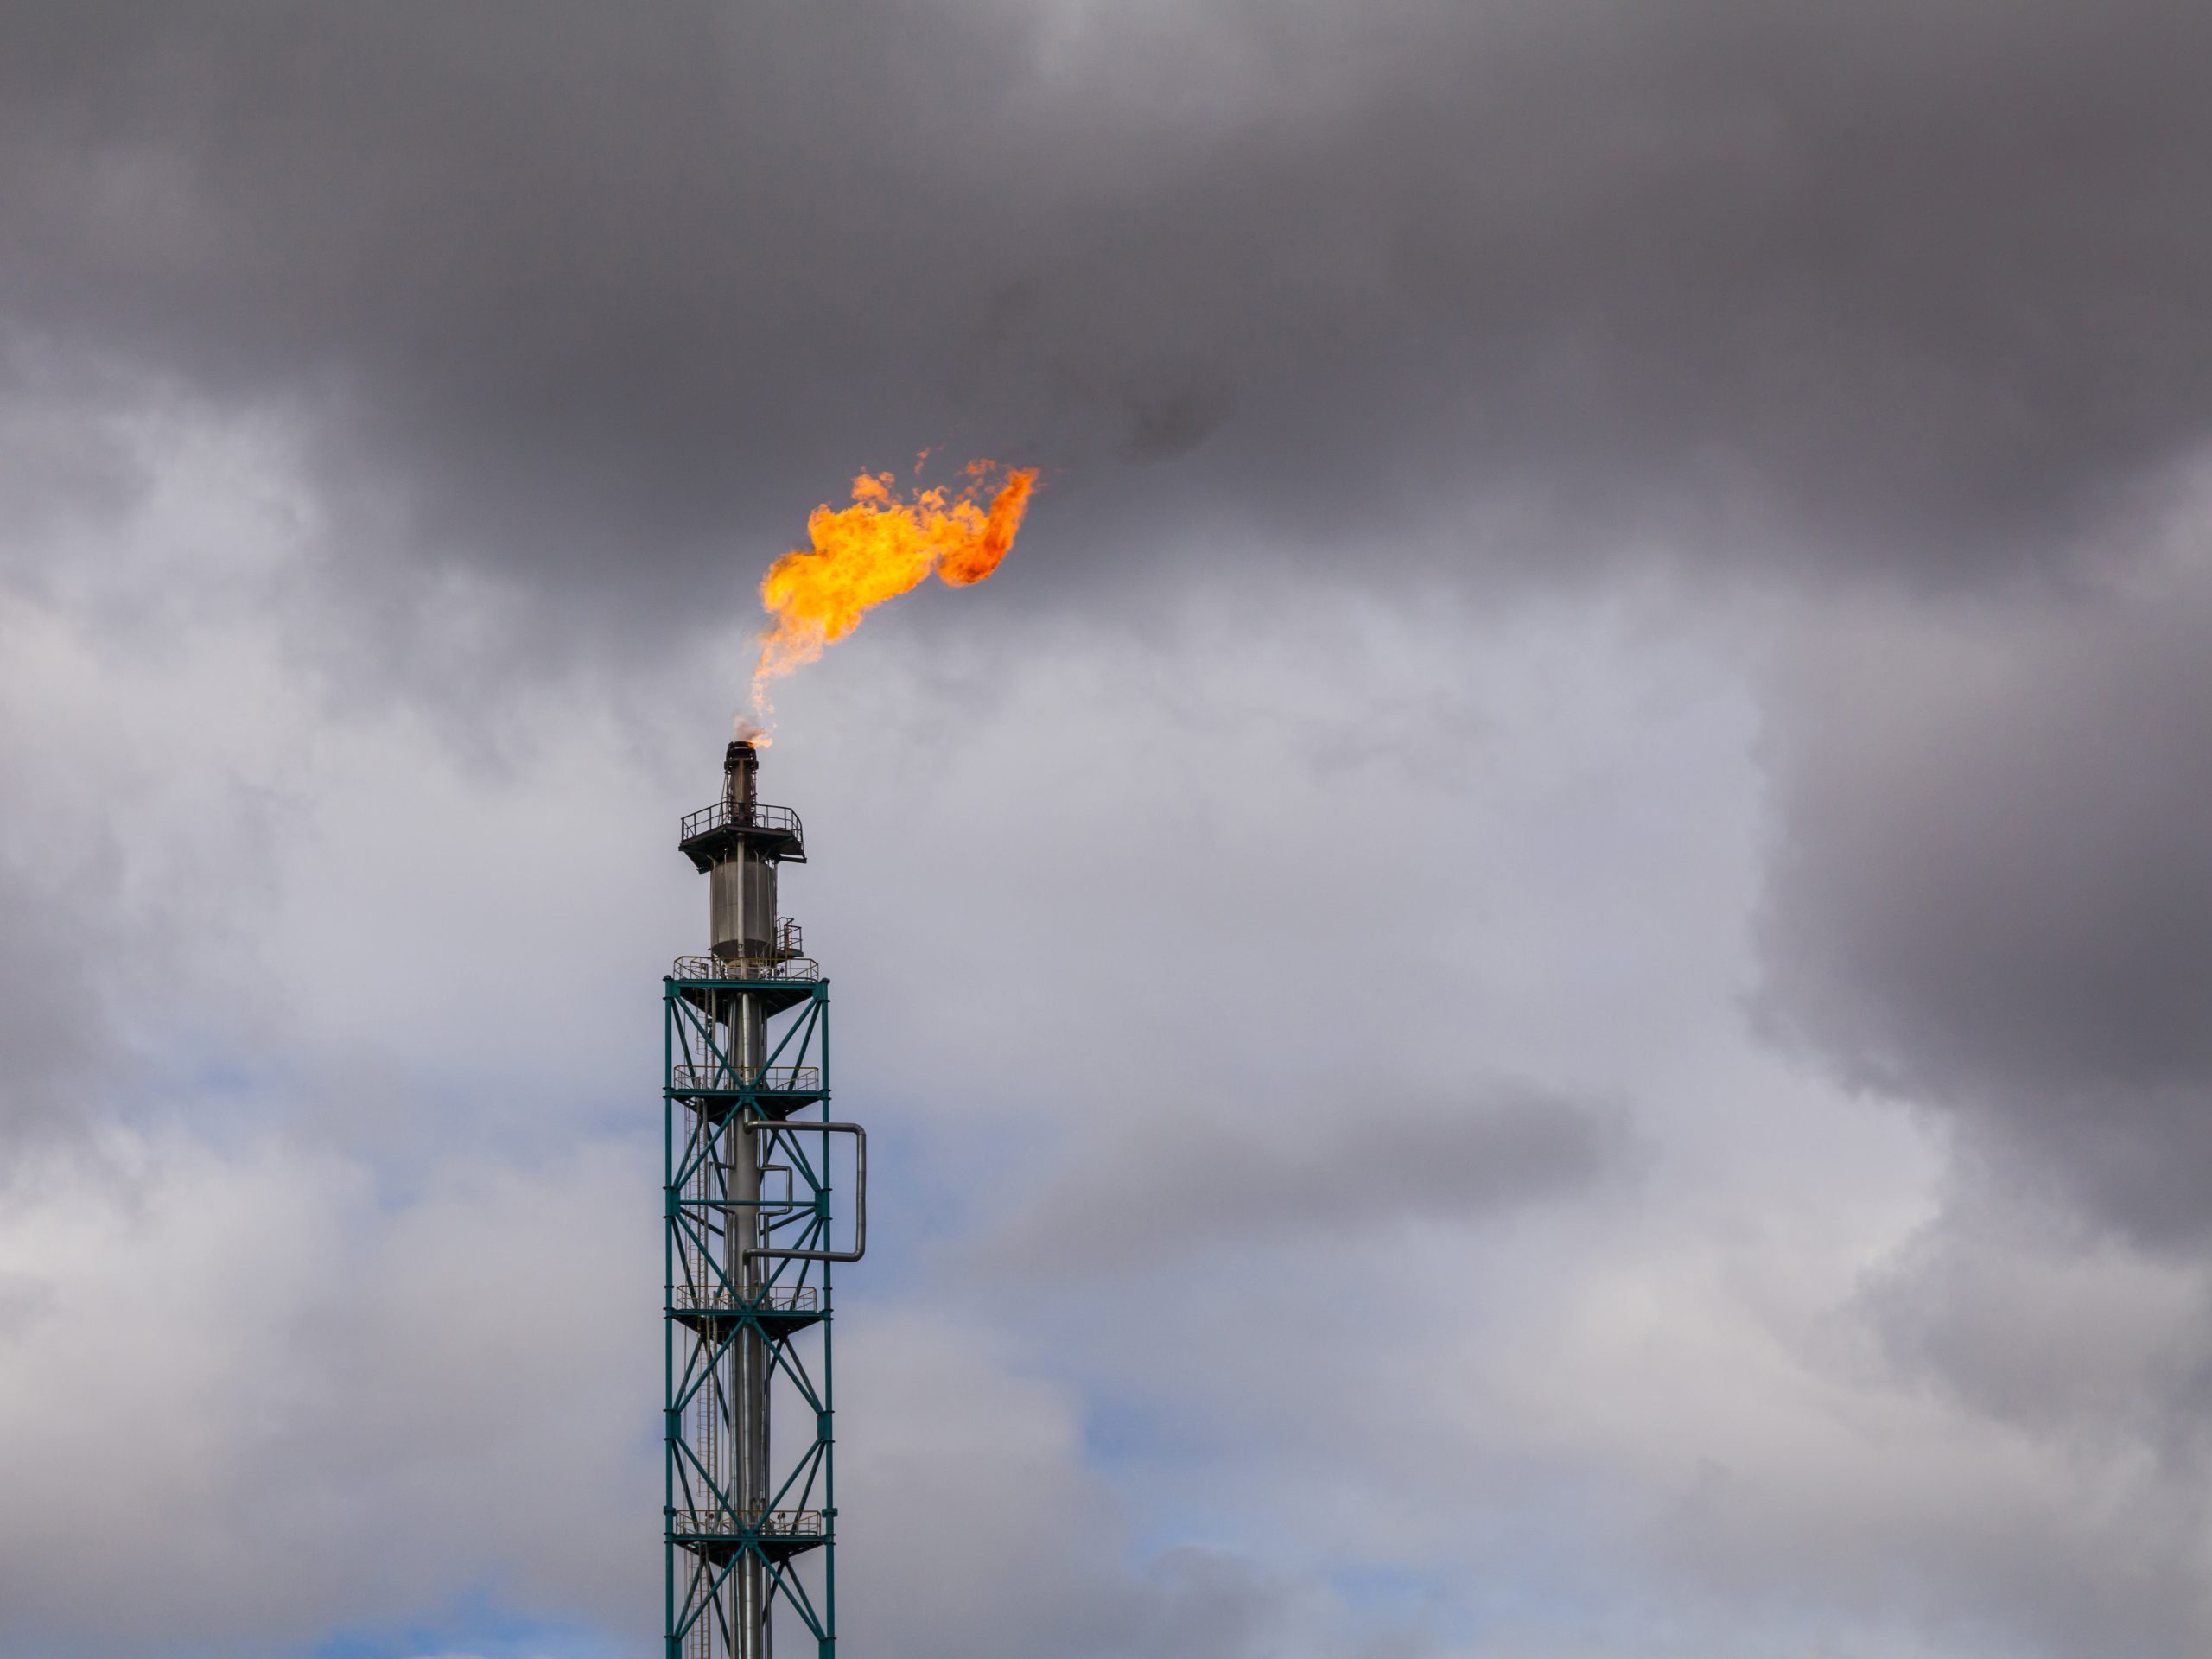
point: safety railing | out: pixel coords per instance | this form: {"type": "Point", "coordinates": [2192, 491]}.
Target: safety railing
{"type": "Point", "coordinates": [758, 1523]}
{"type": "Point", "coordinates": [771, 1079]}
{"type": "Point", "coordinates": [738, 815]}
{"type": "Point", "coordinates": [747, 967]}
{"type": "Point", "coordinates": [766, 1299]}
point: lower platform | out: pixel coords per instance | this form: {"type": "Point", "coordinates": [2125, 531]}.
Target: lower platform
{"type": "Point", "coordinates": [778, 1312]}
{"type": "Point", "coordinates": [719, 1534]}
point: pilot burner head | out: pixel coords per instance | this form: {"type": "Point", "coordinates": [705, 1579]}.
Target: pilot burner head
{"type": "Point", "coordinates": [744, 871]}
{"type": "Point", "coordinates": [740, 773]}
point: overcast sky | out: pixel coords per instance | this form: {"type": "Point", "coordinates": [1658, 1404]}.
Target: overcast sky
{"type": "Point", "coordinates": [1532, 981]}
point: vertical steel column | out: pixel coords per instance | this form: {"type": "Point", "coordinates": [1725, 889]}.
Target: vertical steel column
{"type": "Point", "coordinates": [747, 1439]}
{"type": "Point", "coordinates": [743, 904]}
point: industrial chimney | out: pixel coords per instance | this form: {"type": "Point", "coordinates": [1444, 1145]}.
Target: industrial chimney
{"type": "Point", "coordinates": [751, 1525]}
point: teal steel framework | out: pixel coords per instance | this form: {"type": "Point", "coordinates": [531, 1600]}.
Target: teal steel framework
{"type": "Point", "coordinates": [750, 1535]}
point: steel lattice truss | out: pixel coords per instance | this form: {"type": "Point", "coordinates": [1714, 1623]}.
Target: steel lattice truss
{"type": "Point", "coordinates": [783, 1305]}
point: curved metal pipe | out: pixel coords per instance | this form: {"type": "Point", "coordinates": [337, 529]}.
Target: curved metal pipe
{"type": "Point", "coordinates": [860, 1191]}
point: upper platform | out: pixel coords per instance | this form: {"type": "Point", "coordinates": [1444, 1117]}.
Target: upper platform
{"type": "Point", "coordinates": [712, 833]}
{"type": "Point", "coordinates": [780, 982]}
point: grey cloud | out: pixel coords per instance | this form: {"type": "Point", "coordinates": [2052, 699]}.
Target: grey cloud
{"type": "Point", "coordinates": [72, 965]}
{"type": "Point", "coordinates": [1989, 893]}
{"type": "Point", "coordinates": [2040, 1330]}
{"type": "Point", "coordinates": [1993, 887]}
{"type": "Point", "coordinates": [595, 301]}
{"type": "Point", "coordinates": [25, 1299]}
{"type": "Point", "coordinates": [52, 1017]}
{"type": "Point", "coordinates": [62, 462]}
{"type": "Point", "coordinates": [1339, 1162]}
{"type": "Point", "coordinates": [2026, 1319]}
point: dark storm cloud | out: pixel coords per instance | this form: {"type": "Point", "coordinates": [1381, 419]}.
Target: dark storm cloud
{"type": "Point", "coordinates": [602, 297]}
{"type": "Point", "coordinates": [1995, 887]}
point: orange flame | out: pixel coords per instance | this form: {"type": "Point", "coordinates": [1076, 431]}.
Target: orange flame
{"type": "Point", "coordinates": [877, 549]}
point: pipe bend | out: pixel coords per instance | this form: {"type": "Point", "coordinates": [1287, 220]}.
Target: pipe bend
{"type": "Point", "coordinates": [860, 1190]}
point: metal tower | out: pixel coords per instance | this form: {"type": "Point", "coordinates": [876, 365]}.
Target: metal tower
{"type": "Point", "coordinates": [751, 1509]}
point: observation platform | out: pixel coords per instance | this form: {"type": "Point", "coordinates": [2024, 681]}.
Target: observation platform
{"type": "Point", "coordinates": [774, 1091]}
{"type": "Point", "coordinates": [781, 981]}
{"type": "Point", "coordinates": [778, 1534]}
{"type": "Point", "coordinates": [714, 833]}
{"type": "Point", "coordinates": [779, 1310]}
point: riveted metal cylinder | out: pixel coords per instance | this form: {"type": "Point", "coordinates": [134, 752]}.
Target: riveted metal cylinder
{"type": "Point", "coordinates": [743, 903]}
